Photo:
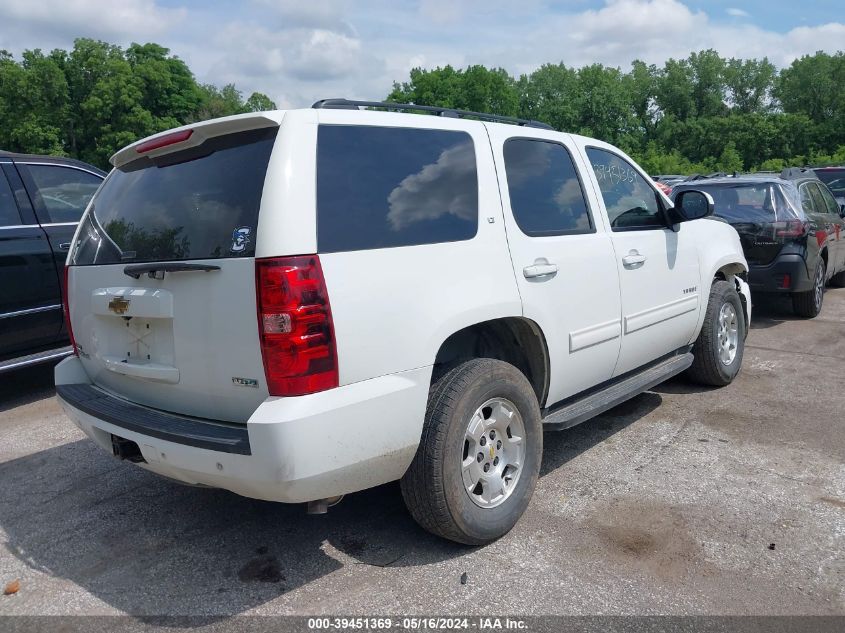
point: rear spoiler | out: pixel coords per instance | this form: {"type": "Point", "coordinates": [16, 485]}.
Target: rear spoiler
{"type": "Point", "coordinates": [194, 134]}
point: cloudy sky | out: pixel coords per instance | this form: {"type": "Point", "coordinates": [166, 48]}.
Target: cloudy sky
{"type": "Point", "coordinates": [297, 51]}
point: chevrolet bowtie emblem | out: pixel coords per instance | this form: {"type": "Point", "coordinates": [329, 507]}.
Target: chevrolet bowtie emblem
{"type": "Point", "coordinates": [119, 305]}
{"type": "Point", "coordinates": [492, 451]}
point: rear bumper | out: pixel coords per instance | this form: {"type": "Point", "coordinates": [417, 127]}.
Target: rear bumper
{"type": "Point", "coordinates": [291, 449]}
{"type": "Point", "coordinates": [772, 277]}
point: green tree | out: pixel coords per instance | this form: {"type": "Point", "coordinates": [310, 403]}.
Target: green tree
{"type": "Point", "coordinates": [477, 88]}
{"type": "Point", "coordinates": [550, 94]}
{"type": "Point", "coordinates": [90, 101]}
{"type": "Point", "coordinates": [259, 102]}
{"type": "Point", "coordinates": [749, 84]}
{"type": "Point", "coordinates": [814, 85]}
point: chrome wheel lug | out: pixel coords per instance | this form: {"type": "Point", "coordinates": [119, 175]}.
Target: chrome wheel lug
{"type": "Point", "coordinates": [480, 457]}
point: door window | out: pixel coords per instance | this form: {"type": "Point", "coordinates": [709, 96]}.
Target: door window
{"type": "Point", "coordinates": [545, 191]}
{"type": "Point", "coordinates": [64, 191]}
{"type": "Point", "coordinates": [8, 209]}
{"type": "Point", "coordinates": [631, 202]}
{"type": "Point", "coordinates": [818, 200]}
{"type": "Point", "coordinates": [829, 200]}
{"type": "Point", "coordinates": [807, 199]}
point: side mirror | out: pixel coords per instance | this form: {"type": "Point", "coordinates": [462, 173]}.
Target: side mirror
{"type": "Point", "coordinates": [694, 205]}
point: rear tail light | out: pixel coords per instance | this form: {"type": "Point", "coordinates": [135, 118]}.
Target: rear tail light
{"type": "Point", "coordinates": [790, 228]}
{"type": "Point", "coordinates": [66, 308]}
{"type": "Point", "coordinates": [295, 326]}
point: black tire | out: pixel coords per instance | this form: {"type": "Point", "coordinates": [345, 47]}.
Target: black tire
{"type": "Point", "coordinates": [838, 280]}
{"type": "Point", "coordinates": [809, 304]}
{"type": "Point", "coordinates": [434, 489]}
{"type": "Point", "coordinates": [707, 367]}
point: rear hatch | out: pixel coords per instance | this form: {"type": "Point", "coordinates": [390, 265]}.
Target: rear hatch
{"type": "Point", "coordinates": [161, 278]}
{"type": "Point", "coordinates": [760, 213]}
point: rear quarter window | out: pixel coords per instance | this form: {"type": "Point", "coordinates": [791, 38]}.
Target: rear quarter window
{"type": "Point", "coordinates": [382, 187]}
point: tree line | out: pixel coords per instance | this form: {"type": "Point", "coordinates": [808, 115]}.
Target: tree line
{"type": "Point", "coordinates": [701, 114]}
{"type": "Point", "coordinates": [90, 101]}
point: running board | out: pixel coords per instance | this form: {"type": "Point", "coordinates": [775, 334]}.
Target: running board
{"type": "Point", "coordinates": [586, 407]}
{"type": "Point", "coordinates": [34, 359]}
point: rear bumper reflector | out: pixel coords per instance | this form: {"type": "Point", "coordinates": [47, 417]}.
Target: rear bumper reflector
{"type": "Point", "coordinates": [208, 434]}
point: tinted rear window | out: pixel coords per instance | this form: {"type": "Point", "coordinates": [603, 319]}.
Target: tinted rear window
{"type": "Point", "coordinates": [201, 203]}
{"type": "Point", "coordinates": [380, 187]}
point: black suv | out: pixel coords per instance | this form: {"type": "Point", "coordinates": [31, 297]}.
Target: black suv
{"type": "Point", "coordinates": [792, 231]}
{"type": "Point", "coordinates": [41, 201]}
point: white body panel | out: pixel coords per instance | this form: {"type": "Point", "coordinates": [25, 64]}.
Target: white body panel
{"type": "Point", "coordinates": [577, 308]}
{"type": "Point", "coordinates": [198, 329]}
{"type": "Point", "coordinates": [663, 291]}
{"type": "Point", "coordinates": [309, 447]}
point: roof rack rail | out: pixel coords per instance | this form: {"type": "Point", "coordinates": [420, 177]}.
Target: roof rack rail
{"type": "Point", "coordinates": [347, 104]}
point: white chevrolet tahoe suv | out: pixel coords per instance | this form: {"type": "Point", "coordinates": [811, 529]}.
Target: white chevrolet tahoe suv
{"type": "Point", "coordinates": [301, 304]}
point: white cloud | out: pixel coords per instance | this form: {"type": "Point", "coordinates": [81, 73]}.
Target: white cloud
{"type": "Point", "coordinates": [42, 19]}
{"type": "Point", "coordinates": [653, 31]}
{"type": "Point", "coordinates": [297, 51]}
{"type": "Point", "coordinates": [737, 13]}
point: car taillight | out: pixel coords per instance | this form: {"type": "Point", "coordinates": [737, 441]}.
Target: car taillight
{"type": "Point", "coordinates": [66, 308]}
{"type": "Point", "coordinates": [790, 228]}
{"type": "Point", "coordinates": [295, 326]}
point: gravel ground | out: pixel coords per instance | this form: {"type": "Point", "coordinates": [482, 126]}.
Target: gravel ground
{"type": "Point", "coordinates": [682, 501]}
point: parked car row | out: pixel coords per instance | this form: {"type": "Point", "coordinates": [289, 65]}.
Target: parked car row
{"type": "Point", "coordinates": [41, 201]}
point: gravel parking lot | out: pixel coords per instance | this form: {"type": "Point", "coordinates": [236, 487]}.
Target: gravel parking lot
{"type": "Point", "coordinates": [682, 501]}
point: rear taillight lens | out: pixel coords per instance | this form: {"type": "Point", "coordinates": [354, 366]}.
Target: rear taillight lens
{"type": "Point", "coordinates": [790, 228]}
{"type": "Point", "coordinates": [295, 326]}
{"type": "Point", "coordinates": [66, 308]}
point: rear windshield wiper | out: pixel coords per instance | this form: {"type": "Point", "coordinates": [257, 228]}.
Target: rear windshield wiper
{"type": "Point", "coordinates": [156, 270]}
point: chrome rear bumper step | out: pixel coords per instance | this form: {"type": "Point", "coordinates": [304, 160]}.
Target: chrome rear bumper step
{"type": "Point", "coordinates": [35, 359]}
{"type": "Point", "coordinates": [568, 414]}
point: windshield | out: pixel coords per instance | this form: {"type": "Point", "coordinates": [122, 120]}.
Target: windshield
{"type": "Point", "coordinates": [762, 202]}
{"type": "Point", "coordinates": [834, 179]}
{"type": "Point", "coordinates": [199, 203]}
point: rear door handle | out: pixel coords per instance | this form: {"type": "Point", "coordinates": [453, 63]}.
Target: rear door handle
{"type": "Point", "coordinates": [540, 268]}
{"type": "Point", "coordinates": [633, 259]}
{"type": "Point", "coordinates": [64, 246]}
